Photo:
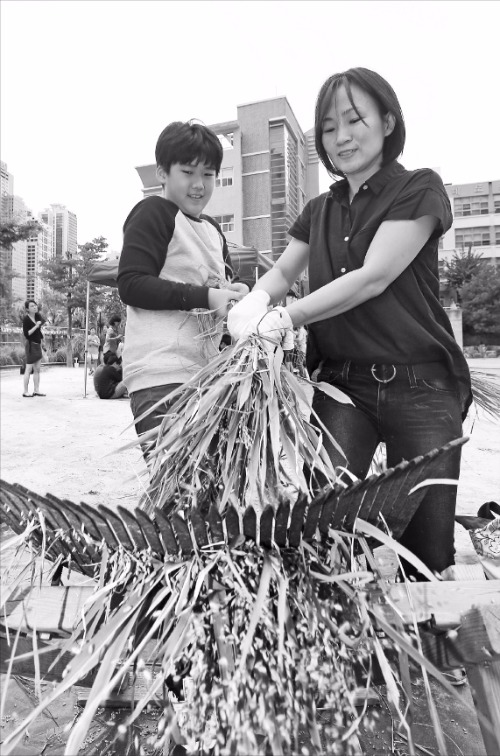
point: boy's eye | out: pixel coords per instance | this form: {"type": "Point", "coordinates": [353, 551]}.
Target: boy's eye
{"type": "Point", "coordinates": [186, 170]}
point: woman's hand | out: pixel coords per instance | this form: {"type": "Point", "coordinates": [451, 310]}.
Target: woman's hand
{"type": "Point", "coordinates": [220, 300]}
{"type": "Point", "coordinates": [243, 317]}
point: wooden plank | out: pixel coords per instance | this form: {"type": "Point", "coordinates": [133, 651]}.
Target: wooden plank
{"type": "Point", "coordinates": [46, 659]}
{"type": "Point", "coordinates": [484, 680]}
{"type": "Point", "coordinates": [443, 601]}
{"type": "Point", "coordinates": [476, 640]}
{"type": "Point", "coordinates": [51, 609]}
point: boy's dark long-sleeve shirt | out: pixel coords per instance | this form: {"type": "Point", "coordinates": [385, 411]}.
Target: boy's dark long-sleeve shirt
{"type": "Point", "coordinates": [149, 232]}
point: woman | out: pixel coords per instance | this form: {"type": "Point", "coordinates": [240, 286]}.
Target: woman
{"type": "Point", "coordinates": [32, 329]}
{"type": "Point", "coordinates": [93, 344]}
{"type": "Point", "coordinates": [376, 327]}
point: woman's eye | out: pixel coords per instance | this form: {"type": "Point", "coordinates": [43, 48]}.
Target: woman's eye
{"type": "Point", "coordinates": [328, 131]}
{"type": "Point", "coordinates": [355, 120]}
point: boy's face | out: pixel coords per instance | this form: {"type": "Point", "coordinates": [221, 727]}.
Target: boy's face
{"type": "Point", "coordinates": [188, 185]}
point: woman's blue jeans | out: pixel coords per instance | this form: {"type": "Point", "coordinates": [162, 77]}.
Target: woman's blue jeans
{"type": "Point", "coordinates": [411, 415]}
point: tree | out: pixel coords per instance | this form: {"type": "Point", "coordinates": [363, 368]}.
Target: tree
{"type": "Point", "coordinates": [53, 305]}
{"type": "Point", "coordinates": [462, 268]}
{"type": "Point", "coordinates": [11, 232]}
{"type": "Point", "coordinates": [480, 301]}
{"type": "Point", "coordinates": [68, 276]}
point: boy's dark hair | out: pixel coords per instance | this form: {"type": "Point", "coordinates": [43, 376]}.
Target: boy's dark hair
{"type": "Point", "coordinates": [114, 319]}
{"type": "Point", "coordinates": [188, 142]}
{"type": "Point", "coordinates": [383, 94]}
{"type": "Point", "coordinates": [110, 358]}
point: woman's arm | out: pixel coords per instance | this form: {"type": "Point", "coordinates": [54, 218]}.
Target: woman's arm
{"type": "Point", "coordinates": [278, 281]}
{"type": "Point", "coordinates": [393, 248]}
{"type": "Point", "coordinates": [37, 325]}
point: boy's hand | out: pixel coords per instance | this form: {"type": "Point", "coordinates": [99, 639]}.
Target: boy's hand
{"type": "Point", "coordinates": [220, 300]}
{"type": "Point", "coordinates": [241, 287]}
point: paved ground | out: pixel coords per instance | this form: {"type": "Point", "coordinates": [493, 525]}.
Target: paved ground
{"type": "Point", "coordinates": [67, 444]}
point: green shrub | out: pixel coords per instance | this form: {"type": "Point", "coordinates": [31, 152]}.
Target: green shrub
{"type": "Point", "coordinates": [78, 344]}
{"type": "Point", "coordinates": [60, 355]}
{"type": "Point", "coordinates": [6, 359]}
{"type": "Point", "coordinates": [18, 355]}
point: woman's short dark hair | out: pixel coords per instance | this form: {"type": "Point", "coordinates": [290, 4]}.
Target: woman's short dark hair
{"type": "Point", "coordinates": [27, 303]}
{"type": "Point", "coordinates": [383, 94]}
{"type": "Point", "coordinates": [186, 142]}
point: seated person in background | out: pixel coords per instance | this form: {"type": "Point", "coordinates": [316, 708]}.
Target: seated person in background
{"type": "Point", "coordinates": [108, 378]}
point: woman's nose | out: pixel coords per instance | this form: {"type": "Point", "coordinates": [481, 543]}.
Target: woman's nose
{"type": "Point", "coordinates": [343, 134]}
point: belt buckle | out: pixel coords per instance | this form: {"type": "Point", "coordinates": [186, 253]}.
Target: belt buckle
{"type": "Point", "coordinates": [381, 380]}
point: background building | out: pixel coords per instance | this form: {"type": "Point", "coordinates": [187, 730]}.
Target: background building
{"type": "Point", "coordinates": [476, 220]}
{"type": "Point", "coordinates": [270, 169]}
{"type": "Point", "coordinates": [64, 229]}
{"type": "Point", "coordinates": [39, 249]}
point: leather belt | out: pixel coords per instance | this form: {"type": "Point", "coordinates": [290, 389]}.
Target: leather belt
{"type": "Point", "coordinates": [387, 372]}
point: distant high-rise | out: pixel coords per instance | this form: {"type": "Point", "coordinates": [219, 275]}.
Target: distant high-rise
{"type": "Point", "coordinates": [6, 187]}
{"type": "Point", "coordinates": [270, 169]}
{"type": "Point", "coordinates": [14, 209]}
{"type": "Point", "coordinates": [64, 230]}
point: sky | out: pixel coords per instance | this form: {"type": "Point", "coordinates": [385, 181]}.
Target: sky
{"type": "Point", "coordinates": [88, 85]}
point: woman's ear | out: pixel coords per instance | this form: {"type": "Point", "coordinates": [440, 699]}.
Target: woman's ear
{"type": "Point", "coordinates": [390, 123]}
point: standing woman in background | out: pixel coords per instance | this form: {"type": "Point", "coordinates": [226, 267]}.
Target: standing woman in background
{"type": "Point", "coordinates": [32, 330]}
{"type": "Point", "coordinates": [377, 329]}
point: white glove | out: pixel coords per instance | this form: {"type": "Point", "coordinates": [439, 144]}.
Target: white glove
{"type": "Point", "coordinates": [244, 316]}
{"type": "Point", "coordinates": [277, 327]}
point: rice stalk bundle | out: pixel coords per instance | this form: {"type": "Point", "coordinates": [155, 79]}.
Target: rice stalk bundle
{"type": "Point", "coordinates": [265, 635]}
{"type": "Point", "coordinates": [236, 434]}
{"type": "Point", "coordinates": [486, 392]}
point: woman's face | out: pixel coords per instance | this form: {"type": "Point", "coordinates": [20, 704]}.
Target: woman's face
{"type": "Point", "coordinates": [355, 146]}
{"type": "Point", "coordinates": [32, 308]}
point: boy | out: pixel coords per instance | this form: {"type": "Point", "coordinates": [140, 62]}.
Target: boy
{"type": "Point", "coordinates": [173, 263]}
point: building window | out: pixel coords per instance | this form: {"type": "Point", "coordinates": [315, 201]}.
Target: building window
{"type": "Point", "coordinates": [497, 235]}
{"type": "Point", "coordinates": [464, 206]}
{"type": "Point", "coordinates": [226, 222]}
{"type": "Point", "coordinates": [226, 140]}
{"type": "Point", "coordinates": [472, 237]}
{"type": "Point", "coordinates": [225, 177]}
{"type": "Point", "coordinates": [496, 202]}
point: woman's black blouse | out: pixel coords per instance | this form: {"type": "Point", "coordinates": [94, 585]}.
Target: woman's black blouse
{"type": "Point", "coordinates": [406, 323]}
{"type": "Point", "coordinates": [37, 336]}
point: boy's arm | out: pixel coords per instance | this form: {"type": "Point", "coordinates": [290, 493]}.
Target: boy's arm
{"type": "Point", "coordinates": [147, 232]}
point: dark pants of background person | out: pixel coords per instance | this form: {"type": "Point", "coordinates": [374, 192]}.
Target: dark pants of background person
{"type": "Point", "coordinates": [143, 400]}
{"type": "Point", "coordinates": [416, 410]}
